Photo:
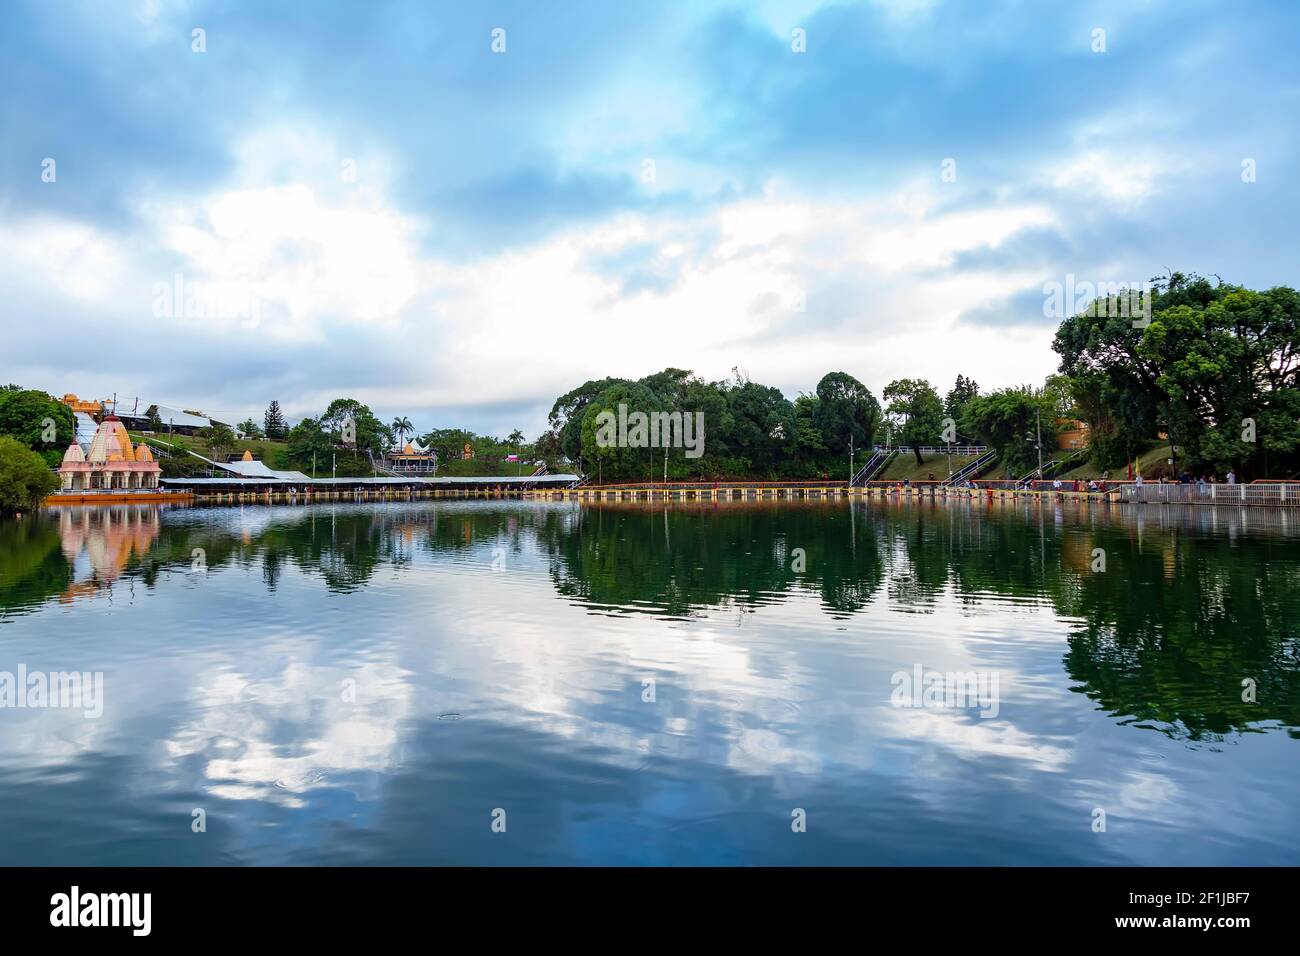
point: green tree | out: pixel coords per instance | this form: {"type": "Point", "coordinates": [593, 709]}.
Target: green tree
{"type": "Point", "coordinates": [219, 439]}
{"type": "Point", "coordinates": [1007, 420]}
{"type": "Point", "coordinates": [354, 426]}
{"type": "Point", "coordinates": [401, 427]}
{"type": "Point", "coordinates": [25, 478]}
{"type": "Point", "coordinates": [566, 415]}
{"type": "Point", "coordinates": [955, 401]}
{"type": "Point", "coordinates": [914, 410]}
{"type": "Point", "coordinates": [273, 422]}
{"type": "Point", "coordinates": [763, 427]}
{"type": "Point", "coordinates": [43, 424]}
{"type": "Point", "coordinates": [250, 429]}
{"type": "Point", "coordinates": [309, 442]}
{"type": "Point", "coordinates": [619, 458]}
{"type": "Point", "coordinates": [846, 412]}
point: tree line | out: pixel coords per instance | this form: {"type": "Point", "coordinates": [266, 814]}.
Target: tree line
{"type": "Point", "coordinates": [1211, 369]}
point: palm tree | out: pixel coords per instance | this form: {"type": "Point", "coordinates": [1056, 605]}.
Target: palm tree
{"type": "Point", "coordinates": [516, 438]}
{"type": "Point", "coordinates": [401, 427]}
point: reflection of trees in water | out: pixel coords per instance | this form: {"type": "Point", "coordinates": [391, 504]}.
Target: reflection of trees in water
{"type": "Point", "coordinates": [1185, 610]}
{"type": "Point", "coordinates": [33, 567]}
{"type": "Point", "coordinates": [1170, 631]}
{"type": "Point", "coordinates": [678, 559]}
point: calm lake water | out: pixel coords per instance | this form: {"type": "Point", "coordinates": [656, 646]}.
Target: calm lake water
{"type": "Point", "coordinates": [359, 684]}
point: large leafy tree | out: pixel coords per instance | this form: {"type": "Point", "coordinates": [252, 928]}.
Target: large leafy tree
{"type": "Point", "coordinates": [25, 478]}
{"type": "Point", "coordinates": [618, 460]}
{"type": "Point", "coordinates": [309, 443]}
{"type": "Point", "coordinates": [916, 413]}
{"type": "Point", "coordinates": [567, 413]}
{"type": "Point", "coordinates": [846, 412]}
{"type": "Point", "coordinates": [43, 424]}
{"type": "Point", "coordinates": [1008, 420]}
{"type": "Point", "coordinates": [763, 426]}
{"type": "Point", "coordinates": [219, 438]}
{"type": "Point", "coordinates": [1216, 368]}
{"type": "Point", "coordinates": [345, 417]}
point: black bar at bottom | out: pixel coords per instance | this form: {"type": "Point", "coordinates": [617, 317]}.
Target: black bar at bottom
{"type": "Point", "coordinates": [334, 906]}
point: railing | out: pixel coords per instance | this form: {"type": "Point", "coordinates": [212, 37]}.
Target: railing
{"type": "Point", "coordinates": [875, 464]}
{"type": "Point", "coordinates": [939, 449]}
{"type": "Point", "coordinates": [1279, 494]}
{"type": "Point", "coordinates": [972, 469]}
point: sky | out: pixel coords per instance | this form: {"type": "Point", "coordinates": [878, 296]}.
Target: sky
{"type": "Point", "coordinates": [458, 212]}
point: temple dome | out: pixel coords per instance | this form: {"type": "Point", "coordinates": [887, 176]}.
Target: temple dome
{"type": "Point", "coordinates": [248, 455]}
{"type": "Point", "coordinates": [74, 455]}
{"type": "Point", "coordinates": [142, 452]}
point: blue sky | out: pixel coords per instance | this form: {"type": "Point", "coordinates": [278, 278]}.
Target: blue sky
{"type": "Point", "coordinates": [368, 200]}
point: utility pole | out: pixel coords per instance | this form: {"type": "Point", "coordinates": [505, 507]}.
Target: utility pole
{"type": "Point", "coordinates": [665, 464]}
{"type": "Point", "coordinates": [334, 464]}
{"type": "Point", "coordinates": [850, 457]}
{"type": "Point", "coordinates": [1038, 418]}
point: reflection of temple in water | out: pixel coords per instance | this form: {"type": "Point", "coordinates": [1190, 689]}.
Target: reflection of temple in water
{"type": "Point", "coordinates": [99, 543]}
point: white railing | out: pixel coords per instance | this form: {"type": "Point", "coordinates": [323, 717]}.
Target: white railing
{"type": "Point", "coordinates": [1280, 494]}
{"type": "Point", "coordinates": [939, 449]}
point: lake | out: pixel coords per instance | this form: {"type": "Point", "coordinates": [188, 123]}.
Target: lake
{"type": "Point", "coordinates": [500, 682]}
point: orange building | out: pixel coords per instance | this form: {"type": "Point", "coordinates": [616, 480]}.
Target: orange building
{"type": "Point", "coordinates": [1074, 434]}
{"type": "Point", "coordinates": [79, 405]}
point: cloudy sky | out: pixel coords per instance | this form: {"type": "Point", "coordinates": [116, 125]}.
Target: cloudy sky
{"type": "Point", "coordinates": [457, 211]}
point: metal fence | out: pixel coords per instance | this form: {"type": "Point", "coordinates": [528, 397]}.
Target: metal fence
{"type": "Point", "coordinates": [1280, 494]}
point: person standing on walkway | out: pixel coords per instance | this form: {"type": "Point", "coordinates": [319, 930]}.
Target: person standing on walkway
{"type": "Point", "coordinates": [1232, 477]}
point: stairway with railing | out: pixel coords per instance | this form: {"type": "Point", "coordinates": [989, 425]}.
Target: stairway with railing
{"type": "Point", "coordinates": [972, 469]}
{"type": "Point", "coordinates": [880, 458]}
{"type": "Point", "coordinates": [1054, 466]}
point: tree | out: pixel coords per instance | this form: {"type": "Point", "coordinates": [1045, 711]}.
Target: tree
{"type": "Point", "coordinates": [1216, 366]}
{"type": "Point", "coordinates": [963, 391]}
{"type": "Point", "coordinates": [567, 413]}
{"type": "Point", "coordinates": [401, 427]}
{"type": "Point", "coordinates": [219, 439]}
{"type": "Point", "coordinates": [354, 425]}
{"type": "Point", "coordinates": [249, 429]}
{"type": "Point", "coordinates": [309, 443]}
{"type": "Point", "coordinates": [763, 426]}
{"type": "Point", "coordinates": [627, 457]}
{"type": "Point", "coordinates": [43, 424]}
{"type": "Point", "coordinates": [448, 442]}
{"type": "Point", "coordinates": [25, 479]}
{"type": "Point", "coordinates": [273, 422]}
{"type": "Point", "coordinates": [916, 413]}
{"type": "Point", "coordinates": [1008, 420]}
{"type": "Point", "coordinates": [846, 413]}
{"type": "Point", "coordinates": [516, 438]}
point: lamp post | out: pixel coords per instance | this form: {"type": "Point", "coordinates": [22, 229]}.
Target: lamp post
{"type": "Point", "coordinates": [1038, 419]}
